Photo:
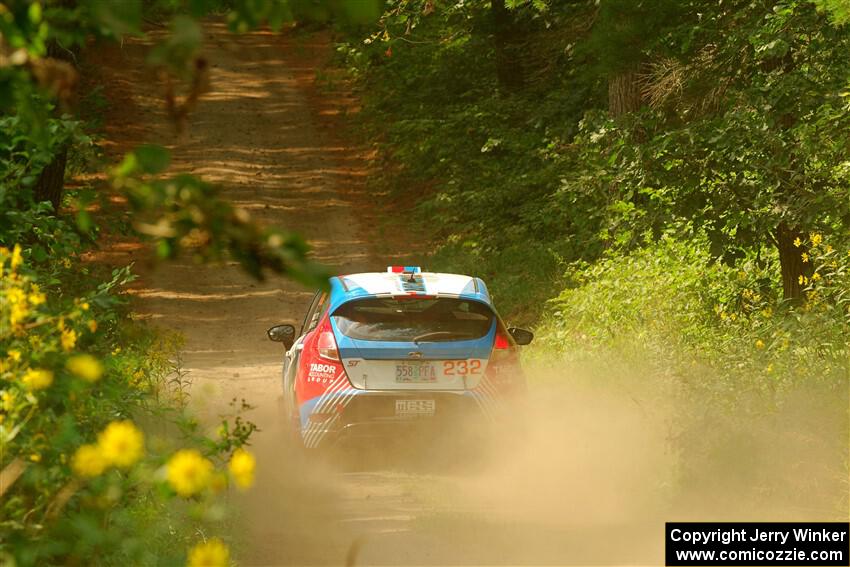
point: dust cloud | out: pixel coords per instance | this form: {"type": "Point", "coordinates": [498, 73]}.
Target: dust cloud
{"type": "Point", "coordinates": [584, 472]}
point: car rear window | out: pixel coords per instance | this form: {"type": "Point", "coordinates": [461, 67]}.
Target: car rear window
{"type": "Point", "coordinates": [409, 320]}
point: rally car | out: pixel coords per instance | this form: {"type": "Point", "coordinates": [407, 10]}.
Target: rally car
{"type": "Point", "coordinates": [382, 351]}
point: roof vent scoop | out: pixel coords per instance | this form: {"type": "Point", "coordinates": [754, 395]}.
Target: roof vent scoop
{"type": "Point", "coordinates": [411, 271]}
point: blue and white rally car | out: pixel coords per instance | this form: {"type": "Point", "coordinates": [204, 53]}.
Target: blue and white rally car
{"type": "Point", "coordinates": [381, 351]}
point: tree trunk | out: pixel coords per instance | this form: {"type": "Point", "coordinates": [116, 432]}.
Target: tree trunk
{"type": "Point", "coordinates": [791, 261]}
{"type": "Point", "coordinates": [51, 181]}
{"type": "Point", "coordinates": [509, 68]}
{"type": "Point", "coordinates": [624, 94]}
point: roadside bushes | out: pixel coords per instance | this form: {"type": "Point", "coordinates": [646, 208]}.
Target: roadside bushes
{"type": "Point", "coordinates": [760, 384]}
{"type": "Point", "coordinates": [99, 463]}
{"type": "Point", "coordinates": [672, 302]}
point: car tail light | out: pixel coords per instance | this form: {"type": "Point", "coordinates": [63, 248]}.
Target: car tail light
{"type": "Point", "coordinates": [503, 350]}
{"type": "Point", "coordinates": [501, 342]}
{"type": "Point", "coordinates": [326, 343]}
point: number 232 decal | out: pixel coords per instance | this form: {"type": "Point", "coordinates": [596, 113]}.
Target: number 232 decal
{"type": "Point", "coordinates": [461, 367]}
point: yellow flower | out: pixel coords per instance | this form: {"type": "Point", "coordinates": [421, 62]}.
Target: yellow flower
{"type": "Point", "coordinates": [86, 367]}
{"type": "Point", "coordinates": [92, 326]}
{"type": "Point", "coordinates": [805, 257]}
{"type": "Point", "coordinates": [88, 461]}
{"type": "Point", "coordinates": [8, 400]}
{"type": "Point", "coordinates": [121, 443]}
{"type": "Point", "coordinates": [798, 242]}
{"type": "Point", "coordinates": [211, 553]}
{"type": "Point", "coordinates": [36, 298]}
{"type": "Point", "coordinates": [769, 368]}
{"type": "Point", "coordinates": [15, 355]}
{"type": "Point", "coordinates": [242, 465]}
{"type": "Point", "coordinates": [759, 344]}
{"type": "Point", "coordinates": [16, 258]}
{"type": "Point", "coordinates": [18, 314]}
{"type": "Point", "coordinates": [68, 339]}
{"type": "Point", "coordinates": [188, 472]}
{"type": "Point", "coordinates": [66, 262]}
{"type": "Point", "coordinates": [815, 238]}
{"type": "Point", "coordinates": [84, 306]}
{"type": "Point", "coordinates": [35, 457]}
{"type": "Point", "coordinates": [815, 277]}
{"type": "Point", "coordinates": [19, 311]}
{"type": "Point", "coordinates": [37, 379]}
{"type": "Point", "coordinates": [803, 280]}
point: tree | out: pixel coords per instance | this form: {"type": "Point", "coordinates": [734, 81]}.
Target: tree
{"type": "Point", "coordinates": [623, 35]}
{"type": "Point", "coordinates": [51, 180]}
{"type": "Point", "coordinates": [748, 146]}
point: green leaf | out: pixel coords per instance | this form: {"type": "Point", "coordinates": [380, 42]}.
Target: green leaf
{"type": "Point", "coordinates": [117, 17]}
{"type": "Point", "coordinates": [163, 249]}
{"type": "Point", "coordinates": [35, 12]}
{"type": "Point", "coordinates": [39, 254]}
{"type": "Point", "coordinates": [84, 221]}
{"type": "Point", "coordinates": [127, 166]}
{"type": "Point", "coordinates": [152, 159]}
{"type": "Point", "coordinates": [362, 11]}
{"type": "Point", "coordinates": [279, 13]}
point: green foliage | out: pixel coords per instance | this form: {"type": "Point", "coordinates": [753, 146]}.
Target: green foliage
{"type": "Point", "coordinates": [742, 134]}
{"type": "Point", "coordinates": [838, 9]}
{"type": "Point", "coordinates": [672, 304]}
{"type": "Point", "coordinates": [184, 213]}
{"type": "Point", "coordinates": [100, 464]}
{"type": "Point", "coordinates": [79, 480]}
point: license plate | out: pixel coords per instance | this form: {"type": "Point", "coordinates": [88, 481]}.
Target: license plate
{"type": "Point", "coordinates": [415, 408]}
{"type": "Point", "coordinates": [415, 372]}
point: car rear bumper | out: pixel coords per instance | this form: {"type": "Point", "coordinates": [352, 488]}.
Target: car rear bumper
{"type": "Point", "coordinates": [372, 414]}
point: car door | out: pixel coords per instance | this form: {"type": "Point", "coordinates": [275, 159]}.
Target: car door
{"type": "Point", "coordinates": [291, 360]}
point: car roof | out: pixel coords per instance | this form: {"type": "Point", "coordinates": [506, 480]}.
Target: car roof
{"type": "Point", "coordinates": [387, 284]}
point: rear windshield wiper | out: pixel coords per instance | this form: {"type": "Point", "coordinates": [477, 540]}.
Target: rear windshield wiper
{"type": "Point", "coordinates": [434, 334]}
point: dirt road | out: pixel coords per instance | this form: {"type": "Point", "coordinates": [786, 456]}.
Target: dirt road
{"type": "Point", "coordinates": [259, 135]}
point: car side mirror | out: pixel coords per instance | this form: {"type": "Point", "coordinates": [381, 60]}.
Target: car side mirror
{"type": "Point", "coordinates": [282, 334]}
{"type": "Point", "coordinates": [521, 336]}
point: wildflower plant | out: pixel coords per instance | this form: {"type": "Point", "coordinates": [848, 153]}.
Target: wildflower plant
{"type": "Point", "coordinates": [85, 471]}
